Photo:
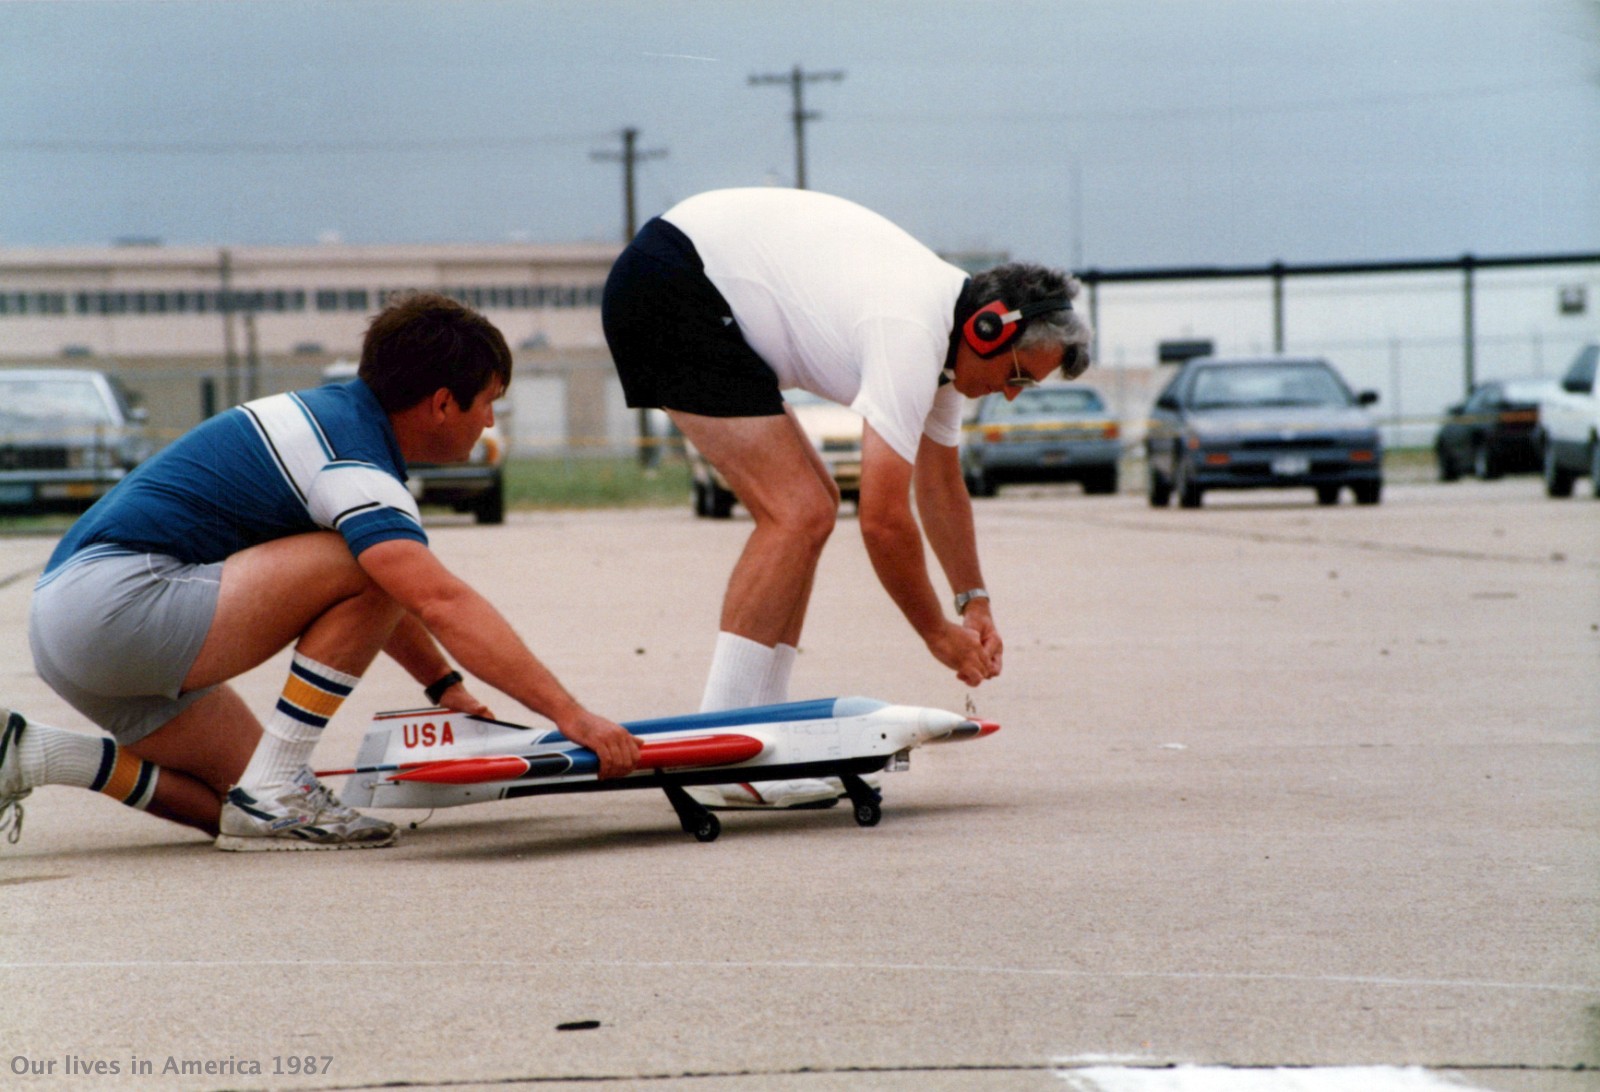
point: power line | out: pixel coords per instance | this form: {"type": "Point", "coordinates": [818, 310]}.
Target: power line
{"type": "Point", "coordinates": [797, 79]}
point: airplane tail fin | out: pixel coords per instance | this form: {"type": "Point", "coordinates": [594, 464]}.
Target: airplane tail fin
{"type": "Point", "coordinates": [358, 787]}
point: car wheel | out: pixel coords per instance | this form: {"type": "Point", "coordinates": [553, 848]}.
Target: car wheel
{"type": "Point", "coordinates": [1485, 467]}
{"type": "Point", "coordinates": [980, 484]}
{"type": "Point", "coordinates": [491, 507]}
{"type": "Point", "coordinates": [1327, 494]}
{"type": "Point", "coordinates": [1448, 470]}
{"type": "Point", "coordinates": [720, 503]}
{"type": "Point", "coordinates": [1160, 490]}
{"type": "Point", "coordinates": [1367, 492]}
{"type": "Point", "coordinates": [1557, 481]}
{"type": "Point", "coordinates": [1594, 467]}
{"type": "Point", "coordinates": [1188, 492]}
{"type": "Point", "coordinates": [1101, 481]}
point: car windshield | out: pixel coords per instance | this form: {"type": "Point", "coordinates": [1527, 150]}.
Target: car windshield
{"type": "Point", "coordinates": [1267, 385]}
{"type": "Point", "coordinates": [28, 401]}
{"type": "Point", "coordinates": [1048, 402]}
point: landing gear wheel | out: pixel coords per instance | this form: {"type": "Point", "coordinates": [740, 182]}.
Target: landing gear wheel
{"type": "Point", "coordinates": [693, 817]}
{"type": "Point", "coordinates": [868, 801]}
{"type": "Point", "coordinates": [707, 829]}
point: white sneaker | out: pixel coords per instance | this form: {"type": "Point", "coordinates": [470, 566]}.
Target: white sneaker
{"type": "Point", "coordinates": [303, 814]}
{"type": "Point", "coordinates": [12, 786]}
{"type": "Point", "coordinates": [805, 792]}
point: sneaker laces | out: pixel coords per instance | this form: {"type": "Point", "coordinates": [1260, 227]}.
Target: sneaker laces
{"type": "Point", "coordinates": [11, 820]}
{"type": "Point", "coordinates": [322, 801]}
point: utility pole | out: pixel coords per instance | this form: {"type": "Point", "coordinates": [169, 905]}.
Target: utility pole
{"type": "Point", "coordinates": [649, 450]}
{"type": "Point", "coordinates": [230, 356]}
{"type": "Point", "coordinates": [629, 156]}
{"type": "Point", "coordinates": [797, 79]}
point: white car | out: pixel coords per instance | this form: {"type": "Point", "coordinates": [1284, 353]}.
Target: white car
{"type": "Point", "coordinates": [1569, 421]}
{"type": "Point", "coordinates": [833, 429]}
{"type": "Point", "coordinates": [67, 435]}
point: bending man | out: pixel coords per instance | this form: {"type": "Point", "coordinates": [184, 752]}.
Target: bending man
{"type": "Point", "coordinates": [734, 295]}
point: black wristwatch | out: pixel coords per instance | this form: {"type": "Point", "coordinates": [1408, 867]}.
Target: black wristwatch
{"type": "Point", "coordinates": [436, 691]}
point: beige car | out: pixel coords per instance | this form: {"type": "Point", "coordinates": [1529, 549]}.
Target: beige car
{"type": "Point", "coordinates": [833, 429]}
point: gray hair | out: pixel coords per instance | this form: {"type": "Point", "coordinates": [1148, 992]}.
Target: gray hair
{"type": "Point", "coordinates": [1021, 283]}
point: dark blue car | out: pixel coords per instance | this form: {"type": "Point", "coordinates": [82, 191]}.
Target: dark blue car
{"type": "Point", "coordinates": [1262, 423]}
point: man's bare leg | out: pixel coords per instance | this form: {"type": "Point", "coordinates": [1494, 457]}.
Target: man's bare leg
{"type": "Point", "coordinates": [771, 465]}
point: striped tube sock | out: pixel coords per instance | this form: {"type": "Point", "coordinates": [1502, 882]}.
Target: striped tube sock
{"type": "Point", "coordinates": [55, 756]}
{"type": "Point", "coordinates": [125, 777]}
{"type": "Point", "coordinates": [311, 696]}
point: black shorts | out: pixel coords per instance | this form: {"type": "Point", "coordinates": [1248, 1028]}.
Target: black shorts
{"type": "Point", "coordinates": [672, 335]}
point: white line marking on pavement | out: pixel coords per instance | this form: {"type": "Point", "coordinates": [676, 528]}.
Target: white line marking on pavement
{"type": "Point", "coordinates": [1189, 1078]}
{"type": "Point", "coordinates": [801, 965]}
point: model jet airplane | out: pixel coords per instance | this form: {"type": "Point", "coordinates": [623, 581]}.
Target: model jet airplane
{"type": "Point", "coordinates": [434, 758]}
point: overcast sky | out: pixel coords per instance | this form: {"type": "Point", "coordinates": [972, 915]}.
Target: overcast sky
{"type": "Point", "coordinates": [1107, 134]}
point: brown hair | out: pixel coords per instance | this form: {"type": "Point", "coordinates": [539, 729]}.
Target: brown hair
{"type": "Point", "coordinates": [423, 341]}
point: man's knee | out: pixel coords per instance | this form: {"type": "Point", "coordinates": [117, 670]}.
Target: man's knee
{"type": "Point", "coordinates": [811, 514]}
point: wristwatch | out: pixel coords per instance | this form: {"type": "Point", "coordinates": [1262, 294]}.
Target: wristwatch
{"type": "Point", "coordinates": [963, 598]}
{"type": "Point", "coordinates": [436, 691]}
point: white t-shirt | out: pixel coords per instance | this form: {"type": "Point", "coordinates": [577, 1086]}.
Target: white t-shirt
{"type": "Point", "coordinates": [838, 301]}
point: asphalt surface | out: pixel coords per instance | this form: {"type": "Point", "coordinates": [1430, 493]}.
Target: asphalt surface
{"type": "Point", "coordinates": [1279, 787]}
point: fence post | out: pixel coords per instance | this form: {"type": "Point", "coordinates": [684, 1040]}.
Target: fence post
{"type": "Point", "coordinates": [1277, 307]}
{"type": "Point", "coordinates": [1468, 332]}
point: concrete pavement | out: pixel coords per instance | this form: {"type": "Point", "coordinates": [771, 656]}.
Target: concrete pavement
{"type": "Point", "coordinates": [1278, 786]}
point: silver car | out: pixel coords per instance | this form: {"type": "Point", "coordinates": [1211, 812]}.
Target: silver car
{"type": "Point", "coordinates": [1262, 423]}
{"type": "Point", "coordinates": [67, 435]}
{"type": "Point", "coordinates": [1057, 432]}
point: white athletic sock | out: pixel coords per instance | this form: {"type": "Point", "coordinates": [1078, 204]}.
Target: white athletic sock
{"type": "Point", "coordinates": [739, 668]}
{"type": "Point", "coordinates": [775, 686]}
{"type": "Point", "coordinates": [312, 694]}
{"type": "Point", "coordinates": [55, 756]}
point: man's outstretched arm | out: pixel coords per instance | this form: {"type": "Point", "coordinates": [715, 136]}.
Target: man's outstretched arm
{"type": "Point", "coordinates": [485, 644]}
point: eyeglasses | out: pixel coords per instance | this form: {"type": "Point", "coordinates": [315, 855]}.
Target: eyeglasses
{"type": "Point", "coordinates": [1019, 379]}
{"type": "Point", "coordinates": [1074, 362]}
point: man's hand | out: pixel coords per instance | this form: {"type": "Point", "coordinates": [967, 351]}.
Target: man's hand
{"type": "Point", "coordinates": [980, 620]}
{"type": "Point", "coordinates": [616, 747]}
{"type": "Point", "coordinates": [962, 651]}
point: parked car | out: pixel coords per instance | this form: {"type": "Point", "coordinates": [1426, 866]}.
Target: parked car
{"type": "Point", "coordinates": [1262, 423]}
{"type": "Point", "coordinates": [1057, 432]}
{"type": "Point", "coordinates": [1569, 426]}
{"type": "Point", "coordinates": [67, 435]}
{"type": "Point", "coordinates": [833, 429]}
{"type": "Point", "coordinates": [477, 485]}
{"type": "Point", "coordinates": [1494, 432]}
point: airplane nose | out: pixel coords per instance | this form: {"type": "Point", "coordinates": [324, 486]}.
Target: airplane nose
{"type": "Point", "coordinates": [972, 729]}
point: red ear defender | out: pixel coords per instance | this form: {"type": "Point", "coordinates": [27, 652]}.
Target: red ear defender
{"type": "Point", "coordinates": [994, 325]}
{"type": "Point", "coordinates": [990, 328]}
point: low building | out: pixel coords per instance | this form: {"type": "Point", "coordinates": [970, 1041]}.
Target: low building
{"type": "Point", "coordinates": [191, 330]}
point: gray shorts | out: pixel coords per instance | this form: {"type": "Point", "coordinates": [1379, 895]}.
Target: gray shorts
{"type": "Point", "coordinates": [116, 634]}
